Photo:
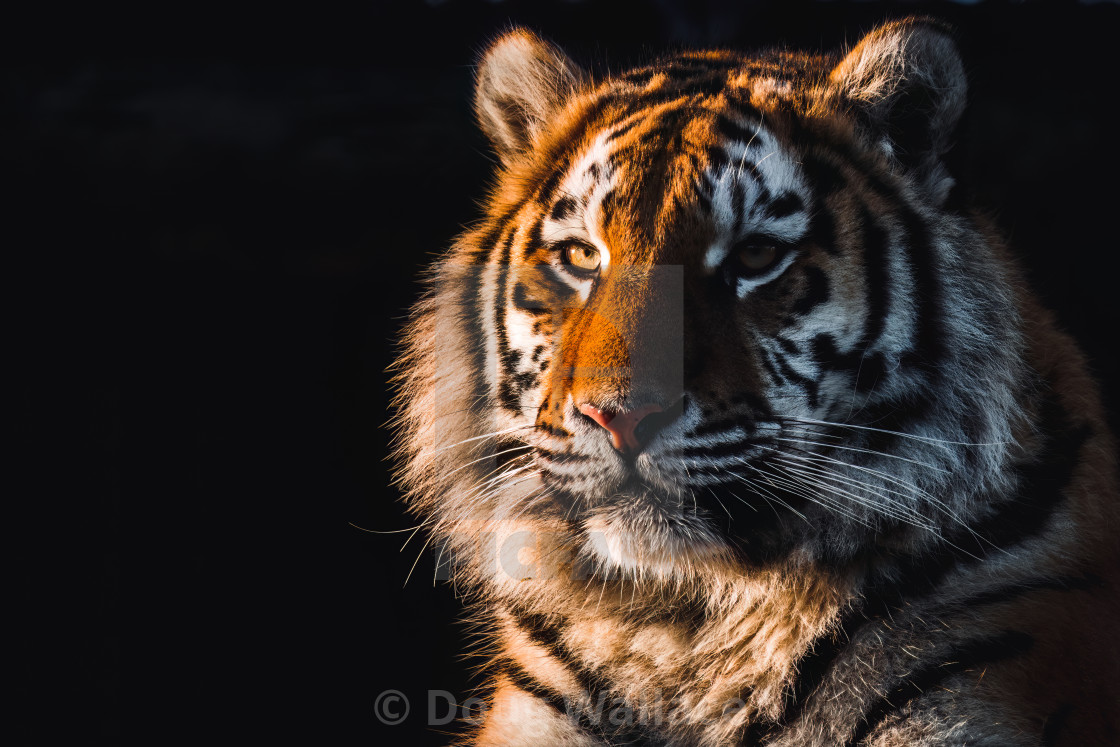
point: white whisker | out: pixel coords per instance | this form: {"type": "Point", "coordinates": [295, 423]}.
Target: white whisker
{"type": "Point", "coordinates": [925, 439]}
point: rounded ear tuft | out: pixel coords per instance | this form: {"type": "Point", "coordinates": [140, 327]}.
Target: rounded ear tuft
{"type": "Point", "coordinates": [907, 81]}
{"type": "Point", "coordinates": [521, 82]}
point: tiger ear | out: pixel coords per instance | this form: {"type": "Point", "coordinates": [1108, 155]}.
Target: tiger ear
{"type": "Point", "coordinates": [906, 82]}
{"type": "Point", "coordinates": [521, 82]}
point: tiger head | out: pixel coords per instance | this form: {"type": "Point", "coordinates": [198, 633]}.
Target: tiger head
{"type": "Point", "coordinates": [718, 308]}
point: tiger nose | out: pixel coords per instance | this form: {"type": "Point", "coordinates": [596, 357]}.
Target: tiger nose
{"type": "Point", "coordinates": [630, 429]}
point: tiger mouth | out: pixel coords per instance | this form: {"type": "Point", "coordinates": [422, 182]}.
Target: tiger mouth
{"type": "Point", "coordinates": [638, 531]}
{"type": "Point", "coordinates": [666, 469]}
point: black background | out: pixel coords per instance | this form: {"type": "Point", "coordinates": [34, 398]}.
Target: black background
{"type": "Point", "coordinates": [218, 221]}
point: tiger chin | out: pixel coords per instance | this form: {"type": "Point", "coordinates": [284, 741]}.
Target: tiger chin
{"type": "Point", "coordinates": [738, 430]}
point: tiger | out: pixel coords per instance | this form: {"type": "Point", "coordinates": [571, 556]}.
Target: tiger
{"type": "Point", "coordinates": [733, 425]}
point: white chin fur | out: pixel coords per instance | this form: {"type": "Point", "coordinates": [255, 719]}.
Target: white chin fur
{"type": "Point", "coordinates": [641, 538]}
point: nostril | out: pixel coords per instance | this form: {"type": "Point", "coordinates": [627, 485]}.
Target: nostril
{"type": "Point", "coordinates": [645, 423]}
{"type": "Point", "coordinates": [650, 425]}
{"type": "Point", "coordinates": [631, 429]}
{"type": "Point", "coordinates": [656, 421]}
{"type": "Point", "coordinates": [602, 417]}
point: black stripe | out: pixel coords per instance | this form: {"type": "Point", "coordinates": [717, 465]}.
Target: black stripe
{"type": "Point", "coordinates": [668, 127]}
{"type": "Point", "coordinates": [522, 301]}
{"type": "Point", "coordinates": [1042, 482]}
{"type": "Point", "coordinates": [717, 157]}
{"type": "Point", "coordinates": [875, 275]}
{"type": "Point", "coordinates": [474, 327]}
{"type": "Point", "coordinates": [552, 430]}
{"type": "Point", "coordinates": [489, 240]}
{"type": "Point", "coordinates": [784, 205]}
{"type": "Point", "coordinates": [526, 682]}
{"type": "Point", "coordinates": [547, 191]}
{"type": "Point", "coordinates": [545, 634]}
{"type": "Point", "coordinates": [872, 369]}
{"type": "Point", "coordinates": [710, 85]}
{"type": "Point", "coordinates": [738, 197]}
{"type": "Point", "coordinates": [703, 191]}
{"type": "Point", "coordinates": [1009, 592]}
{"type": "Point", "coordinates": [727, 449]}
{"type": "Point", "coordinates": [764, 358]}
{"type": "Point", "coordinates": [596, 724]}
{"type": "Point", "coordinates": [533, 237]}
{"type": "Point", "coordinates": [810, 386]}
{"type": "Point", "coordinates": [708, 427]}
{"type": "Point", "coordinates": [822, 228]}
{"type": "Point", "coordinates": [816, 293]}
{"type": "Point", "coordinates": [507, 396]}
{"type": "Point", "coordinates": [686, 68]}
{"type": "Point", "coordinates": [560, 459]}
{"type": "Point", "coordinates": [733, 131]}
{"type": "Point", "coordinates": [929, 348]}
{"type": "Point", "coordinates": [789, 346]}
{"type": "Point", "coordinates": [979, 651]}
{"type": "Point", "coordinates": [523, 381]}
{"type": "Point", "coordinates": [826, 176]}
{"type": "Point", "coordinates": [826, 356]}
{"type": "Point", "coordinates": [608, 206]}
{"type": "Point", "coordinates": [623, 129]}
{"type": "Point", "coordinates": [759, 406]}
{"type": "Point", "coordinates": [564, 208]}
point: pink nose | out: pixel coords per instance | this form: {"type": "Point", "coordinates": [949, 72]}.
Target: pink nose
{"type": "Point", "coordinates": [623, 425]}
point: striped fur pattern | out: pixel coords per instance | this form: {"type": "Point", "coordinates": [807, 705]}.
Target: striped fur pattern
{"type": "Point", "coordinates": [879, 502]}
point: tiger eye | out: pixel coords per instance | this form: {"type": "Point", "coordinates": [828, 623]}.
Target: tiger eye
{"type": "Point", "coordinates": [582, 257]}
{"type": "Point", "coordinates": [758, 258]}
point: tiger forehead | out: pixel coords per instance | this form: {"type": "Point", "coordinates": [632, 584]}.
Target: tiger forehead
{"type": "Point", "coordinates": [775, 78]}
{"type": "Point", "coordinates": [667, 183]}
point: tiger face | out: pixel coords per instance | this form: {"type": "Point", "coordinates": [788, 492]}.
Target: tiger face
{"type": "Point", "coordinates": [723, 303]}
{"type": "Point", "coordinates": [718, 309]}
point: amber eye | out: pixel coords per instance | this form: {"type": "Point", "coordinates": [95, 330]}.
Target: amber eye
{"type": "Point", "coordinates": [757, 258]}
{"type": "Point", "coordinates": [582, 257]}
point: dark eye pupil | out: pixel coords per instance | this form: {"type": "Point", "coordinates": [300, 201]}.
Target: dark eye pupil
{"type": "Point", "coordinates": [581, 256]}
{"type": "Point", "coordinates": [757, 257]}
